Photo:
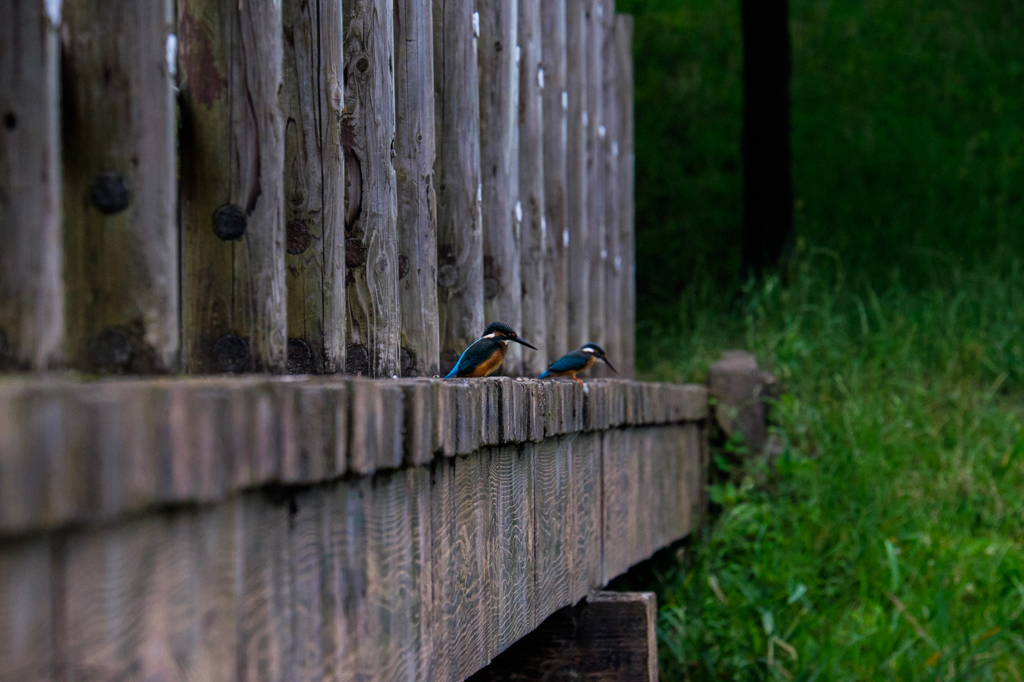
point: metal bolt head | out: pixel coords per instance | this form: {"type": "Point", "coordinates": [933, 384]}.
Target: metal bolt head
{"type": "Point", "coordinates": [109, 193]}
{"type": "Point", "coordinates": [297, 238]}
{"type": "Point", "coordinates": [300, 357]}
{"type": "Point", "coordinates": [229, 222]}
{"type": "Point", "coordinates": [111, 351]}
{"type": "Point", "coordinates": [231, 354]}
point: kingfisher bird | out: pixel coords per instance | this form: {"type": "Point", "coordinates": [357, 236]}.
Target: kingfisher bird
{"type": "Point", "coordinates": [577, 361]}
{"type": "Point", "coordinates": [484, 356]}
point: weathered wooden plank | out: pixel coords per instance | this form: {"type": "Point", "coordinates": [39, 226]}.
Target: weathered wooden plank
{"type": "Point", "coordinates": [442, 560]}
{"type": "Point", "coordinates": [314, 180]}
{"type": "Point", "coordinates": [585, 483]}
{"type": "Point", "coordinates": [626, 181]}
{"type": "Point", "coordinates": [375, 426]}
{"type": "Point", "coordinates": [499, 58]}
{"type": "Point", "coordinates": [31, 262]}
{"type": "Point", "coordinates": [309, 433]}
{"type": "Point", "coordinates": [348, 548]}
{"type": "Point", "coordinates": [618, 470]}
{"type": "Point", "coordinates": [609, 637]}
{"type": "Point", "coordinates": [610, 156]}
{"type": "Point", "coordinates": [371, 207]}
{"type": "Point", "coordinates": [27, 630]}
{"type": "Point", "coordinates": [554, 531]}
{"type": "Point", "coordinates": [120, 193]}
{"type": "Point", "coordinates": [420, 420]}
{"type": "Point", "coordinates": [385, 641]}
{"type": "Point", "coordinates": [425, 609]}
{"type": "Point", "coordinates": [207, 574]}
{"type": "Point", "coordinates": [414, 169]}
{"type": "Point", "coordinates": [596, 135]}
{"type": "Point", "coordinates": [556, 139]}
{"type": "Point", "coordinates": [316, 613]}
{"type": "Point", "coordinates": [533, 229]}
{"type": "Point", "coordinates": [460, 278]}
{"type": "Point", "coordinates": [232, 199]}
{"type": "Point", "coordinates": [577, 202]}
{"type": "Point", "coordinates": [510, 546]}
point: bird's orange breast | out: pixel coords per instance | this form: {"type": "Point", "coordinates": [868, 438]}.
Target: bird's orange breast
{"type": "Point", "coordinates": [491, 364]}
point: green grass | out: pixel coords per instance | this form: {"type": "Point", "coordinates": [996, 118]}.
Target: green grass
{"type": "Point", "coordinates": [885, 541]}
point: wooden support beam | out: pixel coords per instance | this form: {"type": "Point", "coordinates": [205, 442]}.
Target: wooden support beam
{"type": "Point", "coordinates": [596, 136]}
{"type": "Point", "coordinates": [499, 58]}
{"type": "Point", "coordinates": [578, 309]}
{"type": "Point", "coordinates": [556, 133]}
{"type": "Point", "coordinates": [232, 197]}
{"type": "Point", "coordinates": [314, 179]}
{"type": "Point", "coordinates": [31, 260]}
{"type": "Point", "coordinates": [531, 186]}
{"type": "Point", "coordinates": [610, 154]}
{"type": "Point", "coordinates": [414, 169]}
{"type": "Point", "coordinates": [611, 636]}
{"type": "Point", "coordinates": [120, 186]}
{"type": "Point", "coordinates": [460, 278]}
{"type": "Point", "coordinates": [371, 207]}
{"type": "Point", "coordinates": [626, 180]}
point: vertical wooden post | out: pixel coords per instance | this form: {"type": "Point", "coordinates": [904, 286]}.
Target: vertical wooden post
{"type": "Point", "coordinates": [613, 263]}
{"type": "Point", "coordinates": [499, 57]}
{"type": "Point", "coordinates": [460, 278]}
{"type": "Point", "coordinates": [556, 133]}
{"type": "Point", "coordinates": [368, 134]}
{"type": "Point", "coordinates": [414, 168]}
{"type": "Point", "coordinates": [314, 181]}
{"type": "Point", "coordinates": [120, 198]}
{"type": "Point", "coordinates": [596, 135]}
{"type": "Point", "coordinates": [578, 309]}
{"type": "Point", "coordinates": [531, 185]}
{"type": "Point", "coordinates": [31, 261]}
{"type": "Point", "coordinates": [232, 195]}
{"type": "Point", "coordinates": [626, 180]}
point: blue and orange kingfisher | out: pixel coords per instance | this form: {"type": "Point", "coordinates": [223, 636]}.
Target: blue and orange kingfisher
{"type": "Point", "coordinates": [485, 355]}
{"type": "Point", "coordinates": [577, 361]}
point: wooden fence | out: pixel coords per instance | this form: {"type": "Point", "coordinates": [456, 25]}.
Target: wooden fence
{"type": "Point", "coordinates": [306, 529]}
{"type": "Point", "coordinates": [312, 186]}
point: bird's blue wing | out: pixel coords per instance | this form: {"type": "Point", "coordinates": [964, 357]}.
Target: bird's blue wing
{"type": "Point", "coordinates": [574, 361]}
{"type": "Point", "coordinates": [478, 351]}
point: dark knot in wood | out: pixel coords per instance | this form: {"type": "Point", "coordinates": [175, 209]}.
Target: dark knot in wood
{"type": "Point", "coordinates": [363, 63]}
{"type": "Point", "coordinates": [300, 357]}
{"type": "Point", "coordinates": [355, 253]}
{"type": "Point", "coordinates": [447, 275]}
{"type": "Point", "coordinates": [381, 265]}
{"type": "Point", "coordinates": [491, 287]}
{"type": "Point", "coordinates": [357, 360]}
{"type": "Point", "coordinates": [109, 193]}
{"type": "Point", "coordinates": [229, 222]}
{"type": "Point", "coordinates": [10, 120]}
{"type": "Point", "coordinates": [297, 239]}
{"type": "Point", "coordinates": [111, 350]}
{"type": "Point", "coordinates": [403, 266]}
{"type": "Point", "coordinates": [408, 363]}
{"type": "Point", "coordinates": [231, 354]}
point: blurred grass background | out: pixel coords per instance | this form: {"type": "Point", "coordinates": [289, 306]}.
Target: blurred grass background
{"type": "Point", "coordinates": [885, 542]}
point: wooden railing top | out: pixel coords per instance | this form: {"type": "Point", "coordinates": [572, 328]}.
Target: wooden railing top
{"type": "Point", "coordinates": [84, 452]}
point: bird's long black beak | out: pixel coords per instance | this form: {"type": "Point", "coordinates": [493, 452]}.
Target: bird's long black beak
{"type": "Point", "coordinates": [609, 363]}
{"type": "Point", "coordinates": [523, 341]}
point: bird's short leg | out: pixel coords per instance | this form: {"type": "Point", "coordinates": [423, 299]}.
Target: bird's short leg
{"type": "Point", "coordinates": [578, 380]}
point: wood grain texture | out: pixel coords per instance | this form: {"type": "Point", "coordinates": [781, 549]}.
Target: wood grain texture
{"type": "Point", "coordinates": [586, 484]}
{"type": "Point", "coordinates": [26, 612]}
{"type": "Point", "coordinates": [556, 140]}
{"type": "Point", "coordinates": [120, 187]}
{"type": "Point", "coordinates": [31, 262]}
{"type": "Point", "coordinates": [577, 202]}
{"type": "Point", "coordinates": [442, 557]}
{"type": "Point", "coordinates": [612, 212]}
{"type": "Point", "coordinates": [533, 229]}
{"type": "Point", "coordinates": [376, 425]}
{"type": "Point", "coordinates": [596, 136]}
{"type": "Point", "coordinates": [312, 100]}
{"type": "Point", "coordinates": [232, 139]}
{"type": "Point", "coordinates": [502, 211]}
{"type": "Point", "coordinates": [609, 637]}
{"type": "Point", "coordinates": [415, 149]}
{"type": "Point", "coordinates": [511, 546]}
{"type": "Point", "coordinates": [554, 531]}
{"type": "Point", "coordinates": [626, 183]}
{"type": "Point", "coordinates": [371, 207]}
{"type": "Point", "coordinates": [460, 278]}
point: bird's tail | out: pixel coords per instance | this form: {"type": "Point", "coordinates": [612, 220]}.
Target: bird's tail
{"type": "Point", "coordinates": [545, 375]}
{"type": "Point", "coordinates": [451, 374]}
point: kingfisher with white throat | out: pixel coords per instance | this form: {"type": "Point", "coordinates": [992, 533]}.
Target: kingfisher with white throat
{"type": "Point", "coordinates": [485, 355]}
{"type": "Point", "coordinates": [577, 361]}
